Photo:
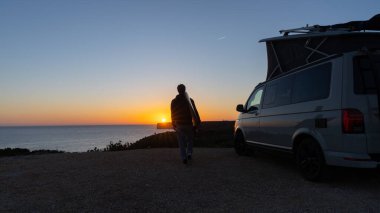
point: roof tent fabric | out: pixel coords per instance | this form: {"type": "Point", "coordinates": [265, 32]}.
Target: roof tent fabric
{"type": "Point", "coordinates": [288, 54]}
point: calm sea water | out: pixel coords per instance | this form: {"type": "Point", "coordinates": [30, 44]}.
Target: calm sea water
{"type": "Point", "coordinates": [72, 138]}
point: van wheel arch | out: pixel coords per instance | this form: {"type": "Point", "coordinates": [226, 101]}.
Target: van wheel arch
{"type": "Point", "coordinates": [240, 144]}
{"type": "Point", "coordinates": [238, 131]}
{"type": "Point", "coordinates": [310, 158]}
{"type": "Point", "coordinates": [297, 141]}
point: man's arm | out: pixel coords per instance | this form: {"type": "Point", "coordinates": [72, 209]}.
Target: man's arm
{"type": "Point", "coordinates": [173, 114]}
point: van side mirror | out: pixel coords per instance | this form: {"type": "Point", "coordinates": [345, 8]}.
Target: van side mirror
{"type": "Point", "coordinates": [240, 108]}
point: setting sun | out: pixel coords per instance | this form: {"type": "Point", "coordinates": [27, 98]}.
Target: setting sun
{"type": "Point", "coordinates": [163, 120]}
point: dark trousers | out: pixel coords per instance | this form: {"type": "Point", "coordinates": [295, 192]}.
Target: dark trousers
{"type": "Point", "coordinates": [185, 136]}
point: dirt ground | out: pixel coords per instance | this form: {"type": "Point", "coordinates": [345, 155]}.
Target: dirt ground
{"type": "Point", "coordinates": [155, 180]}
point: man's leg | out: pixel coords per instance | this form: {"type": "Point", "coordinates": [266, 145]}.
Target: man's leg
{"type": "Point", "coordinates": [181, 137]}
{"type": "Point", "coordinates": [190, 140]}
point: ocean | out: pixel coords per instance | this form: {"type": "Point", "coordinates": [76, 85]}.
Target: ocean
{"type": "Point", "coordinates": [72, 138]}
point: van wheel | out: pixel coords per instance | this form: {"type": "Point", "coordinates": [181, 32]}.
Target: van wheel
{"type": "Point", "coordinates": [310, 160]}
{"type": "Point", "coordinates": [240, 144]}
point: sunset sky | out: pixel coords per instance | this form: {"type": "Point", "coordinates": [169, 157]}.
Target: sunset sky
{"type": "Point", "coordinates": [119, 62]}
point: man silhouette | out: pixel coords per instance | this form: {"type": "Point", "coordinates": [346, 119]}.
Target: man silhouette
{"type": "Point", "coordinates": [185, 120]}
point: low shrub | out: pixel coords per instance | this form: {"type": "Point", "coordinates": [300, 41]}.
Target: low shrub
{"type": "Point", "coordinates": [116, 146]}
{"type": "Point", "coordinates": [20, 151]}
{"type": "Point", "coordinates": [14, 152]}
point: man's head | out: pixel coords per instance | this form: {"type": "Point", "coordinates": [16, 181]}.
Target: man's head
{"type": "Point", "coordinates": [181, 89]}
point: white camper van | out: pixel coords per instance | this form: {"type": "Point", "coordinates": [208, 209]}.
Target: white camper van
{"type": "Point", "coordinates": [320, 100]}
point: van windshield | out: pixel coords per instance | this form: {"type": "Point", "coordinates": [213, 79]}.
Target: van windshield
{"type": "Point", "coordinates": [365, 81]}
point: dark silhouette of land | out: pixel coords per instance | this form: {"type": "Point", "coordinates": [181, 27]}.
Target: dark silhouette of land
{"type": "Point", "coordinates": [211, 134]}
{"type": "Point", "coordinates": [21, 151]}
{"type": "Point", "coordinates": [165, 125]}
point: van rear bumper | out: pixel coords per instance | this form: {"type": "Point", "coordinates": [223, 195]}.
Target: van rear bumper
{"type": "Point", "coordinates": [350, 160]}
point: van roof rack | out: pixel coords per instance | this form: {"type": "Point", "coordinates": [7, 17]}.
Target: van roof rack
{"type": "Point", "coordinates": [372, 24]}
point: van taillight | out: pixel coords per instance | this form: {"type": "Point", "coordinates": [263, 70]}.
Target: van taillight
{"type": "Point", "coordinates": [352, 121]}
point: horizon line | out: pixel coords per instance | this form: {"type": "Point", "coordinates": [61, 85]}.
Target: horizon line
{"type": "Point", "coordinates": [68, 125]}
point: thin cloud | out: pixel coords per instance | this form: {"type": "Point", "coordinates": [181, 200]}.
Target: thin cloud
{"type": "Point", "coordinates": [221, 38]}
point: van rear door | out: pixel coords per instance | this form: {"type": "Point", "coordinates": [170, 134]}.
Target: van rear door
{"type": "Point", "coordinates": [366, 83]}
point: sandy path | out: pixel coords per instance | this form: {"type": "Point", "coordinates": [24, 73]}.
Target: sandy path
{"type": "Point", "coordinates": [155, 180]}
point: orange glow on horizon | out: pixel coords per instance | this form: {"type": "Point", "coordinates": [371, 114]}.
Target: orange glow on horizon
{"type": "Point", "coordinates": [101, 113]}
{"type": "Point", "coordinates": [101, 116]}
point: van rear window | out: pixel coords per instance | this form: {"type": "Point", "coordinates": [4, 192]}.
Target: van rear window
{"type": "Point", "coordinates": [313, 84]}
{"type": "Point", "coordinates": [364, 79]}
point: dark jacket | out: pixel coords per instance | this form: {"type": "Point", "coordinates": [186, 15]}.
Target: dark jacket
{"type": "Point", "coordinates": [180, 110]}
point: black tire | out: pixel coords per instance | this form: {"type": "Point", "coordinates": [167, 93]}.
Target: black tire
{"type": "Point", "coordinates": [239, 144]}
{"type": "Point", "coordinates": [310, 160]}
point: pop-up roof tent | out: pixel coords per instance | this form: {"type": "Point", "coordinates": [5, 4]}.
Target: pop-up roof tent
{"type": "Point", "coordinates": [311, 44]}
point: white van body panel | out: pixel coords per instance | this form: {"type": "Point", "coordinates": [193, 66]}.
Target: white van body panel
{"type": "Point", "coordinates": [281, 126]}
{"type": "Point", "coordinates": [367, 104]}
{"type": "Point", "coordinates": [278, 124]}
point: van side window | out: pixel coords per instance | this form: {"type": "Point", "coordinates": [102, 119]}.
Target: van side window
{"type": "Point", "coordinates": [278, 93]}
{"type": "Point", "coordinates": [312, 84]}
{"type": "Point", "coordinates": [255, 99]}
{"type": "Point", "coordinates": [307, 85]}
{"type": "Point", "coordinates": [364, 81]}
